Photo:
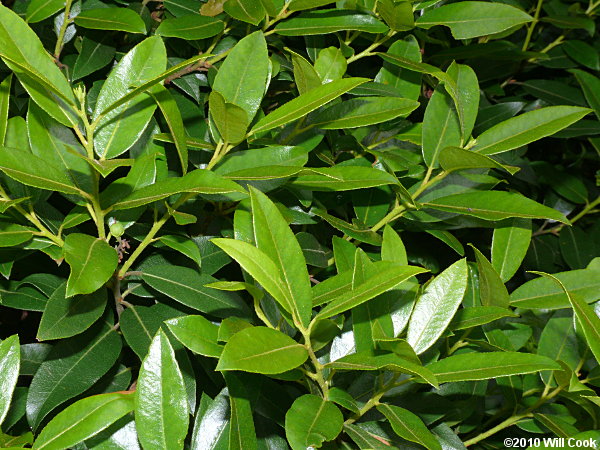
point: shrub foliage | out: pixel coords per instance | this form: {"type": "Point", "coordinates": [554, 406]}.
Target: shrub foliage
{"type": "Point", "coordinates": [263, 224]}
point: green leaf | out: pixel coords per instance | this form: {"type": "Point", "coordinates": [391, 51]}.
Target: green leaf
{"type": "Point", "coordinates": [39, 10]}
{"type": "Point", "coordinates": [343, 178]}
{"type": "Point", "coordinates": [94, 55]}
{"type": "Point", "coordinates": [509, 246]}
{"type": "Point", "coordinates": [588, 319]}
{"type": "Point", "coordinates": [187, 287]}
{"type": "Point", "coordinates": [183, 245]}
{"type": "Point", "coordinates": [242, 78]}
{"type": "Point", "coordinates": [242, 434]}
{"type": "Point", "coordinates": [330, 64]}
{"type": "Point", "coordinates": [467, 97]}
{"type": "Point", "coordinates": [471, 19]}
{"type": "Point", "coordinates": [198, 181]}
{"type": "Point", "coordinates": [492, 291]}
{"type": "Point", "coordinates": [92, 263]}
{"type": "Point", "coordinates": [84, 419]}
{"type": "Point", "coordinates": [392, 247]}
{"type": "Point", "coordinates": [528, 127]}
{"type": "Point", "coordinates": [591, 89]}
{"type": "Point", "coordinates": [362, 111]}
{"type": "Point", "coordinates": [367, 361]}
{"type": "Point", "coordinates": [72, 366]}
{"type": "Point", "coordinates": [197, 334]}
{"type": "Point", "coordinates": [231, 120]}
{"type": "Point", "coordinates": [479, 315]}
{"type": "Point", "coordinates": [161, 407]}
{"type": "Point", "coordinates": [355, 230]}
{"type": "Point", "coordinates": [417, 66]}
{"type": "Point", "coordinates": [408, 426]}
{"type": "Point", "coordinates": [406, 82]}
{"type": "Point", "coordinates": [67, 316]}
{"type": "Point", "coordinates": [172, 115]}
{"type": "Point", "coordinates": [261, 350]}
{"type": "Point", "coordinates": [306, 103]}
{"type": "Point", "coordinates": [117, 19]}
{"type": "Point", "coordinates": [250, 11]}
{"type": "Point", "coordinates": [330, 21]}
{"type": "Point", "coordinates": [385, 279]}
{"type": "Point", "coordinates": [274, 237]}
{"type": "Point", "coordinates": [299, 5]}
{"type": "Point", "coordinates": [23, 52]}
{"type": "Point", "coordinates": [495, 205]}
{"type": "Point", "coordinates": [305, 75]}
{"type": "Point", "coordinates": [260, 267]}
{"type": "Point", "coordinates": [311, 421]}
{"type": "Point", "coordinates": [120, 127]}
{"type": "Point", "coordinates": [12, 234]}
{"type": "Point", "coordinates": [456, 158]}
{"type": "Point", "coordinates": [4, 105]}
{"type": "Point", "coordinates": [436, 306]}
{"type": "Point", "coordinates": [190, 27]}
{"type": "Point", "coordinates": [9, 372]}
{"type": "Point", "coordinates": [483, 366]}
{"type": "Point", "coordinates": [35, 171]}
{"type": "Point", "coordinates": [543, 293]}
{"type": "Point", "coordinates": [559, 342]}
{"type": "Point", "coordinates": [398, 16]}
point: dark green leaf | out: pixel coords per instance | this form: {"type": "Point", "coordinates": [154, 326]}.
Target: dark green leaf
{"type": "Point", "coordinates": [311, 421]}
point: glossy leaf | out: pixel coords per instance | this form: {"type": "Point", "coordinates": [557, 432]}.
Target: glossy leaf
{"type": "Point", "coordinates": [329, 21]}
{"type": "Point", "coordinates": [492, 291]}
{"type": "Point", "coordinates": [9, 372]}
{"type": "Point", "coordinates": [408, 426]}
{"type": "Point", "coordinates": [92, 263]}
{"type": "Point", "coordinates": [509, 246]}
{"type": "Point", "coordinates": [190, 27]}
{"type": "Point", "coordinates": [4, 105]}
{"type": "Point", "coordinates": [343, 178]}
{"type": "Point", "coordinates": [311, 421]}
{"type": "Point", "coordinates": [197, 334]}
{"type": "Point", "coordinates": [231, 120]}
{"type": "Point", "coordinates": [39, 10]}
{"type": "Point", "coordinates": [436, 307]}
{"type": "Point", "coordinates": [161, 407]}
{"type": "Point", "coordinates": [242, 433]}
{"type": "Point", "coordinates": [84, 419]}
{"type": "Point", "coordinates": [245, 10]}
{"type": "Point", "coordinates": [261, 350]}
{"type": "Point", "coordinates": [480, 315]}
{"type": "Point", "coordinates": [118, 19]}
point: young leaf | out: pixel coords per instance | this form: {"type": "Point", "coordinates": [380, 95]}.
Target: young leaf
{"type": "Point", "coordinates": [92, 263]}
{"type": "Point", "coordinates": [197, 334]}
{"type": "Point", "coordinates": [408, 426]}
{"type": "Point", "coordinates": [161, 407]}
{"type": "Point", "coordinates": [436, 307]}
{"type": "Point", "coordinates": [509, 246]}
{"type": "Point", "coordinates": [483, 366]}
{"type": "Point", "coordinates": [588, 319]}
{"type": "Point", "coordinates": [67, 316]}
{"type": "Point", "coordinates": [9, 372]}
{"type": "Point", "coordinates": [311, 421]}
{"type": "Point", "coordinates": [261, 350]}
{"type": "Point", "coordinates": [274, 237]}
{"type": "Point", "coordinates": [526, 128]}
{"type": "Point", "coordinates": [469, 19]}
{"type": "Point", "coordinates": [117, 19]}
{"type": "Point", "coordinates": [306, 103]}
{"type": "Point", "coordinates": [84, 419]}
{"type": "Point", "coordinates": [242, 78]}
{"type": "Point", "coordinates": [495, 205]}
{"type": "Point", "coordinates": [330, 64]}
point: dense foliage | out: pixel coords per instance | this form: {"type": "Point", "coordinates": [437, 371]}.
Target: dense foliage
{"type": "Point", "coordinates": [251, 224]}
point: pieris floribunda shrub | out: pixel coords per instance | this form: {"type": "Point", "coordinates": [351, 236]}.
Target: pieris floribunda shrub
{"type": "Point", "coordinates": [258, 224]}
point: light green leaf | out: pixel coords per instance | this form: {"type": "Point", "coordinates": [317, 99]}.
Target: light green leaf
{"type": "Point", "coordinates": [330, 64]}
{"type": "Point", "coordinates": [591, 89]}
{"type": "Point", "coordinates": [417, 66]}
{"type": "Point", "coordinates": [306, 103]}
{"type": "Point", "coordinates": [12, 234]}
{"type": "Point", "coordinates": [471, 19]}
{"type": "Point", "coordinates": [67, 316]}
{"type": "Point", "coordinates": [305, 75]}
{"type": "Point", "coordinates": [4, 104]}
{"type": "Point", "coordinates": [231, 120]}
{"type": "Point", "coordinates": [84, 419]}
{"type": "Point", "coordinates": [467, 97]}
{"type": "Point", "coordinates": [495, 205]}
{"type": "Point", "coordinates": [588, 319]}
{"type": "Point", "coordinates": [250, 11]}
{"type": "Point", "coordinates": [299, 5]}
{"type": "Point", "coordinates": [509, 246]}
{"type": "Point", "coordinates": [436, 307]}
{"type": "Point", "coordinates": [406, 82]}
{"type": "Point", "coordinates": [120, 127]}
{"type": "Point", "coordinates": [492, 291]}
{"type": "Point", "coordinates": [311, 421]}
{"type": "Point", "coordinates": [408, 426]}
{"type": "Point", "coordinates": [92, 263]}
{"type": "Point", "coordinates": [9, 372]}
{"type": "Point", "coordinates": [39, 10]}
{"type": "Point", "coordinates": [363, 111]}
{"type": "Point", "coordinates": [528, 127]}
{"type": "Point", "coordinates": [479, 315]}
{"type": "Point", "coordinates": [183, 245]}
{"type": "Point", "coordinates": [261, 350]}
{"type": "Point", "coordinates": [343, 178]}
{"type": "Point", "coordinates": [242, 78]}
{"type": "Point", "coordinates": [274, 237]}
{"type": "Point", "coordinates": [197, 334]}
{"type": "Point", "coordinates": [190, 27]}
{"type": "Point", "coordinates": [483, 366]}
{"type": "Point", "coordinates": [330, 21]}
{"type": "Point", "coordinates": [118, 19]}
{"type": "Point", "coordinates": [457, 158]}
{"type": "Point", "coordinates": [398, 16]}
{"type": "Point", "coordinates": [161, 407]}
